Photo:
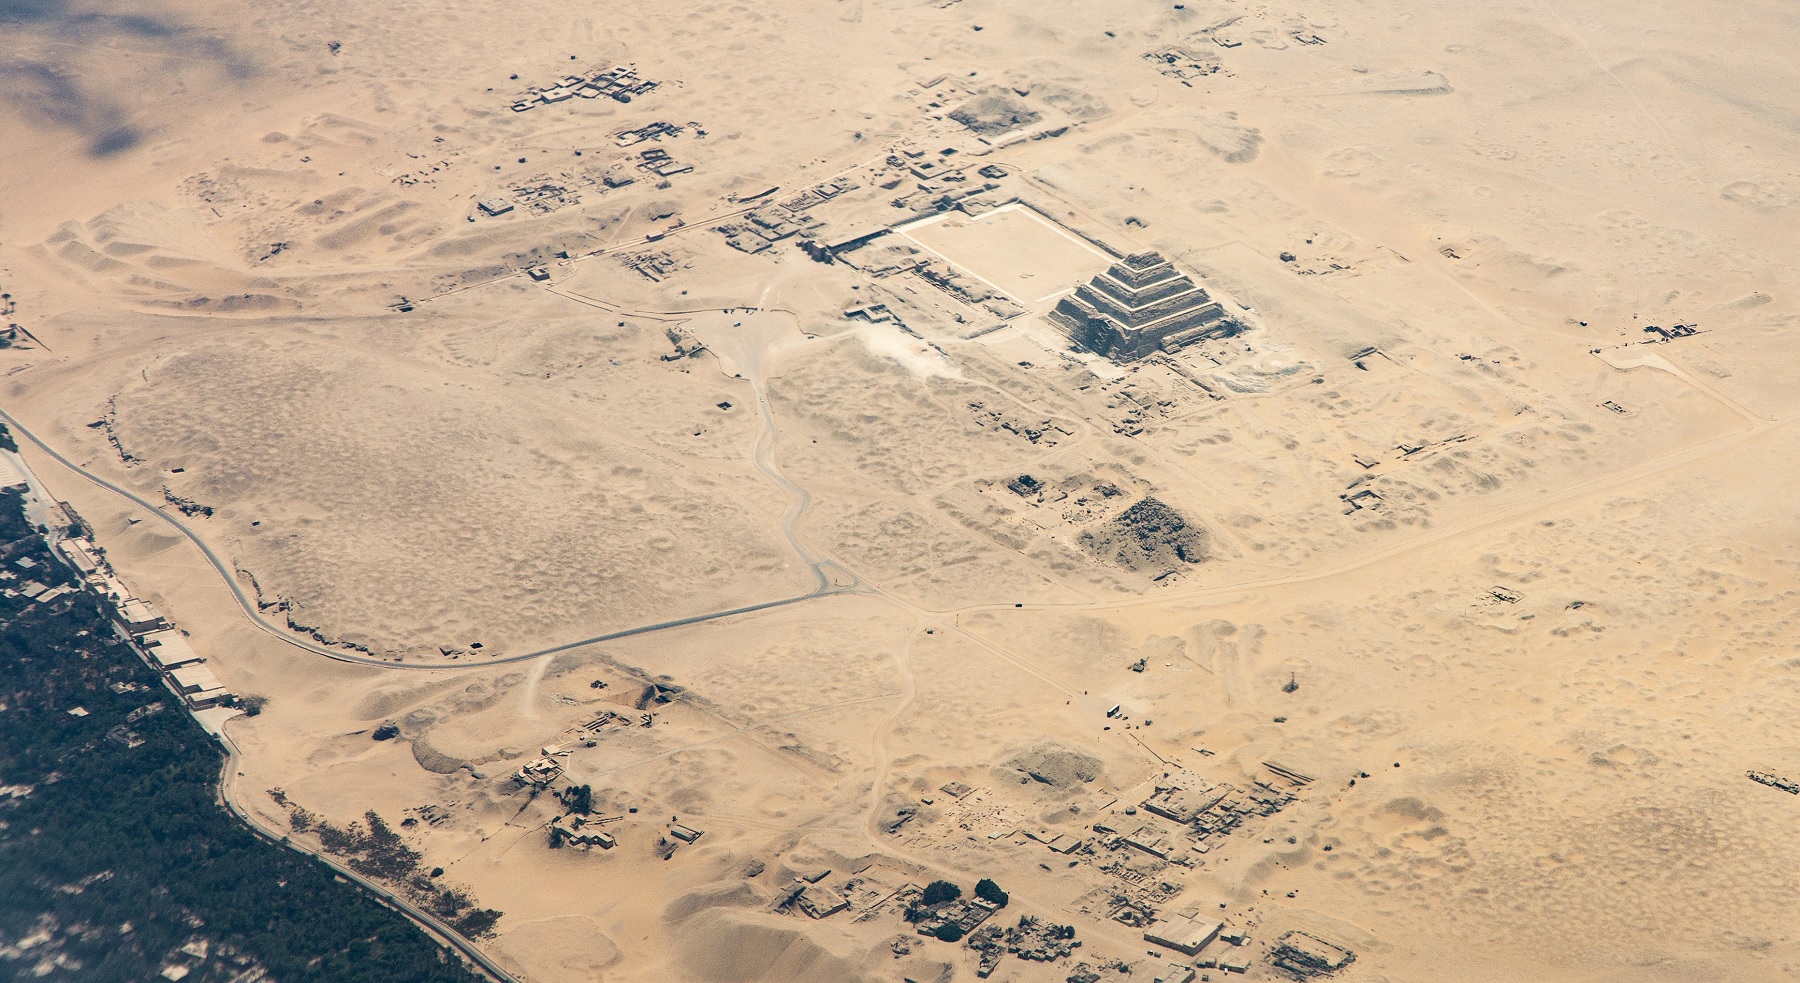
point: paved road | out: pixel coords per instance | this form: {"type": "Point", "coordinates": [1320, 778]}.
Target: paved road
{"type": "Point", "coordinates": [283, 633]}
{"type": "Point", "coordinates": [764, 459]}
{"type": "Point", "coordinates": [443, 934]}
{"type": "Point", "coordinates": [433, 927]}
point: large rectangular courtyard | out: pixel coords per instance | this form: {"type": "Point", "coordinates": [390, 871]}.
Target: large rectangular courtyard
{"type": "Point", "coordinates": [1012, 249]}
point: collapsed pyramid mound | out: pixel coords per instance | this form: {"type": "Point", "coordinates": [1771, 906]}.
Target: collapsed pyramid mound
{"type": "Point", "coordinates": [1140, 305]}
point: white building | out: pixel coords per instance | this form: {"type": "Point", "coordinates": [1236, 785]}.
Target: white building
{"type": "Point", "coordinates": [169, 649]}
{"type": "Point", "coordinates": [139, 617]}
{"type": "Point", "coordinates": [198, 686]}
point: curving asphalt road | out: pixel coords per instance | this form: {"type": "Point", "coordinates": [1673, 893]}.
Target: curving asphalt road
{"type": "Point", "coordinates": [798, 502]}
{"type": "Point", "coordinates": [443, 934]}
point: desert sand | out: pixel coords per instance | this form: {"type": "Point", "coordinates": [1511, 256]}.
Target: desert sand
{"type": "Point", "coordinates": [1469, 573]}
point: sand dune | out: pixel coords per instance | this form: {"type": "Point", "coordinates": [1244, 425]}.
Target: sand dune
{"type": "Point", "coordinates": [1460, 569]}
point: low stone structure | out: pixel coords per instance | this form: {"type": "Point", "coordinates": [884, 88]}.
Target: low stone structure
{"type": "Point", "coordinates": [1304, 955]}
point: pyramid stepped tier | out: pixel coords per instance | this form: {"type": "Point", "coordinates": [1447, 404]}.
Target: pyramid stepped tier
{"type": "Point", "coordinates": [1139, 306]}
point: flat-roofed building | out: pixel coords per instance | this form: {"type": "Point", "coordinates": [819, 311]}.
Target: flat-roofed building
{"type": "Point", "coordinates": [820, 902]}
{"type": "Point", "coordinates": [1185, 934]}
{"type": "Point", "coordinates": [139, 617]}
{"type": "Point", "coordinates": [1184, 805]}
{"type": "Point", "coordinates": [583, 832]}
{"type": "Point", "coordinates": [198, 686]}
{"type": "Point", "coordinates": [110, 587]}
{"type": "Point", "coordinates": [81, 556]}
{"type": "Point", "coordinates": [1148, 839]}
{"type": "Point", "coordinates": [593, 836]}
{"type": "Point", "coordinates": [540, 772]}
{"type": "Point", "coordinates": [169, 649]}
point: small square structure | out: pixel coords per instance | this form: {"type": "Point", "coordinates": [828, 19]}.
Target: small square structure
{"type": "Point", "coordinates": [820, 902]}
{"type": "Point", "coordinates": [138, 617]}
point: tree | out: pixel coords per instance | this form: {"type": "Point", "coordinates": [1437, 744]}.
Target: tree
{"type": "Point", "coordinates": [579, 799]}
{"type": "Point", "coordinates": [478, 923]}
{"type": "Point", "coordinates": [941, 892]}
{"type": "Point", "coordinates": [949, 932]}
{"type": "Point", "coordinates": [988, 891]}
{"type": "Point", "coordinates": [148, 814]}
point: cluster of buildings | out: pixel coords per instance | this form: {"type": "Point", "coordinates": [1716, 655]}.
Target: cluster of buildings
{"type": "Point", "coordinates": [1208, 810]}
{"type": "Point", "coordinates": [582, 831]}
{"type": "Point", "coordinates": [29, 588]}
{"type": "Point", "coordinates": [661, 163]}
{"type": "Point", "coordinates": [763, 228]}
{"type": "Point", "coordinates": [966, 914]}
{"type": "Point", "coordinates": [1031, 940]}
{"type": "Point", "coordinates": [649, 131]}
{"type": "Point", "coordinates": [547, 192]}
{"type": "Point", "coordinates": [1185, 933]}
{"type": "Point", "coordinates": [1671, 333]}
{"type": "Point", "coordinates": [164, 646]}
{"type": "Point", "coordinates": [619, 83]}
{"type": "Point", "coordinates": [542, 772]}
{"type": "Point", "coordinates": [1189, 933]}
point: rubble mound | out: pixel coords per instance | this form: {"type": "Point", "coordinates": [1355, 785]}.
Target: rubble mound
{"type": "Point", "coordinates": [1233, 142]}
{"type": "Point", "coordinates": [738, 895]}
{"type": "Point", "coordinates": [1150, 537]}
{"type": "Point", "coordinates": [725, 946]}
{"type": "Point", "coordinates": [994, 112]}
{"type": "Point", "coordinates": [1052, 764]}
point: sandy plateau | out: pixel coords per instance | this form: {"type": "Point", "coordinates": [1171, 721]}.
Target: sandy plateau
{"type": "Point", "coordinates": [658, 461]}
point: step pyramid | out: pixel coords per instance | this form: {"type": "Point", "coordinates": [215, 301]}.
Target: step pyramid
{"type": "Point", "coordinates": [1139, 305]}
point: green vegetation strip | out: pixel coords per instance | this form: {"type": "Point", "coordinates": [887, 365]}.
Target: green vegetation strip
{"type": "Point", "coordinates": [115, 853]}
